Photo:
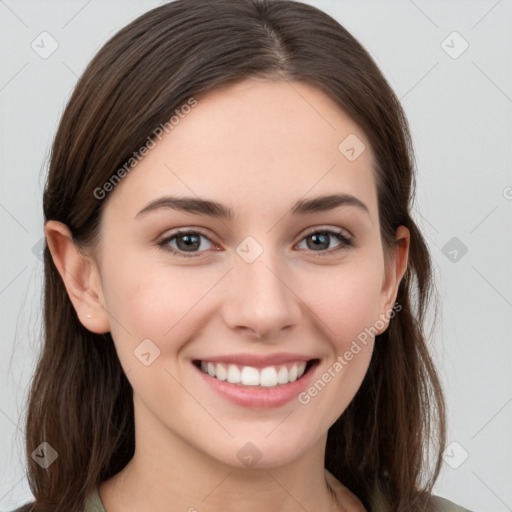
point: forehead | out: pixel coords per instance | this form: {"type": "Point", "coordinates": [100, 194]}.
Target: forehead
{"type": "Point", "coordinates": [252, 144]}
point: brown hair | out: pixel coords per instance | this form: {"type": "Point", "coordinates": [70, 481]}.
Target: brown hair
{"type": "Point", "coordinates": [80, 400]}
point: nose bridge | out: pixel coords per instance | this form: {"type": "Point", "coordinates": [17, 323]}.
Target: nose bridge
{"type": "Point", "coordinates": [260, 298]}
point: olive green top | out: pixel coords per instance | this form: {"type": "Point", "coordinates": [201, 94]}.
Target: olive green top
{"type": "Point", "coordinates": [94, 504]}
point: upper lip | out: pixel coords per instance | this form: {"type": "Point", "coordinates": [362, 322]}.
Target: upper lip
{"type": "Point", "coordinates": [258, 361]}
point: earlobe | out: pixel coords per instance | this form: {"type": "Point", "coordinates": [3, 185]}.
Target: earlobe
{"type": "Point", "coordinates": [80, 276]}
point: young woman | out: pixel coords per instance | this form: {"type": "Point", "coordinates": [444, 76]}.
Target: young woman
{"type": "Point", "coordinates": [235, 290]}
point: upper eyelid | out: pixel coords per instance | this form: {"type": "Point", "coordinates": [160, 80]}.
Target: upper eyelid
{"type": "Point", "coordinates": [338, 230]}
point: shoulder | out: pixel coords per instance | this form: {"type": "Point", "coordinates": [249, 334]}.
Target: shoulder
{"type": "Point", "coordinates": [378, 503]}
{"type": "Point", "coordinates": [92, 504]}
{"type": "Point", "coordinates": [436, 504]}
{"type": "Point", "coordinates": [443, 505]}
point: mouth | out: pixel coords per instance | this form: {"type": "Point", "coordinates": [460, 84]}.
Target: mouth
{"type": "Point", "coordinates": [264, 377]}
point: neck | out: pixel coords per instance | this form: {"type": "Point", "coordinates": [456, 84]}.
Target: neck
{"type": "Point", "coordinates": [168, 474]}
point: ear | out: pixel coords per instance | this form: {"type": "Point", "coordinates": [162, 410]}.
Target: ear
{"type": "Point", "coordinates": [395, 268]}
{"type": "Point", "coordinates": [80, 276]}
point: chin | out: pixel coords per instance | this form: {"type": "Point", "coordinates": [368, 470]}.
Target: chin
{"type": "Point", "coordinates": [264, 451]}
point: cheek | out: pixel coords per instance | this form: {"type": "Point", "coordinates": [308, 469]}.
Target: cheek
{"type": "Point", "coordinates": [150, 298]}
{"type": "Point", "coordinates": [347, 309]}
{"type": "Point", "coordinates": [152, 318]}
{"type": "Point", "coordinates": [346, 301]}
{"type": "Point", "coordinates": [167, 306]}
{"type": "Point", "coordinates": [143, 303]}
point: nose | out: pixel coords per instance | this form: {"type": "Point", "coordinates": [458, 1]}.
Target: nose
{"type": "Point", "coordinates": [260, 299]}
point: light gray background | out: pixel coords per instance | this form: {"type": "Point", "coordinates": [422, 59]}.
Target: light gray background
{"type": "Point", "coordinates": [460, 112]}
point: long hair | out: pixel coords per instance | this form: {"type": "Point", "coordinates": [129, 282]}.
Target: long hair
{"type": "Point", "coordinates": [392, 434]}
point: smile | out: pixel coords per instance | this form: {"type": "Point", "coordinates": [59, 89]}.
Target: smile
{"type": "Point", "coordinates": [269, 376]}
{"type": "Point", "coordinates": [257, 380]}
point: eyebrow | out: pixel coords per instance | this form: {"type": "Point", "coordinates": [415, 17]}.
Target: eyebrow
{"type": "Point", "coordinates": [218, 210]}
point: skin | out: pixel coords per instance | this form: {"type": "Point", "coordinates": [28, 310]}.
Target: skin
{"type": "Point", "coordinates": [257, 147]}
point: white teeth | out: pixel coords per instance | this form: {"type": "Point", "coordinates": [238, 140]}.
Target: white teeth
{"type": "Point", "coordinates": [282, 376]}
{"type": "Point", "coordinates": [220, 372]}
{"type": "Point", "coordinates": [233, 374]}
{"type": "Point", "coordinates": [268, 376]}
{"type": "Point", "coordinates": [292, 373]}
{"type": "Point", "coordinates": [249, 376]}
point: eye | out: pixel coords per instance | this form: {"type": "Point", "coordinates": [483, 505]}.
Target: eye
{"type": "Point", "coordinates": [187, 243]}
{"type": "Point", "coordinates": [321, 240]}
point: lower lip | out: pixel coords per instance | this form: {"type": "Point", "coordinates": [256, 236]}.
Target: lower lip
{"type": "Point", "coordinates": [258, 397]}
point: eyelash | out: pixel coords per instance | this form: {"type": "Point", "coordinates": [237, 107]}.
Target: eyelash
{"type": "Point", "coordinates": [345, 244]}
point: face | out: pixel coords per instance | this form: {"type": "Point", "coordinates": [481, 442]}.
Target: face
{"type": "Point", "coordinates": [276, 293]}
